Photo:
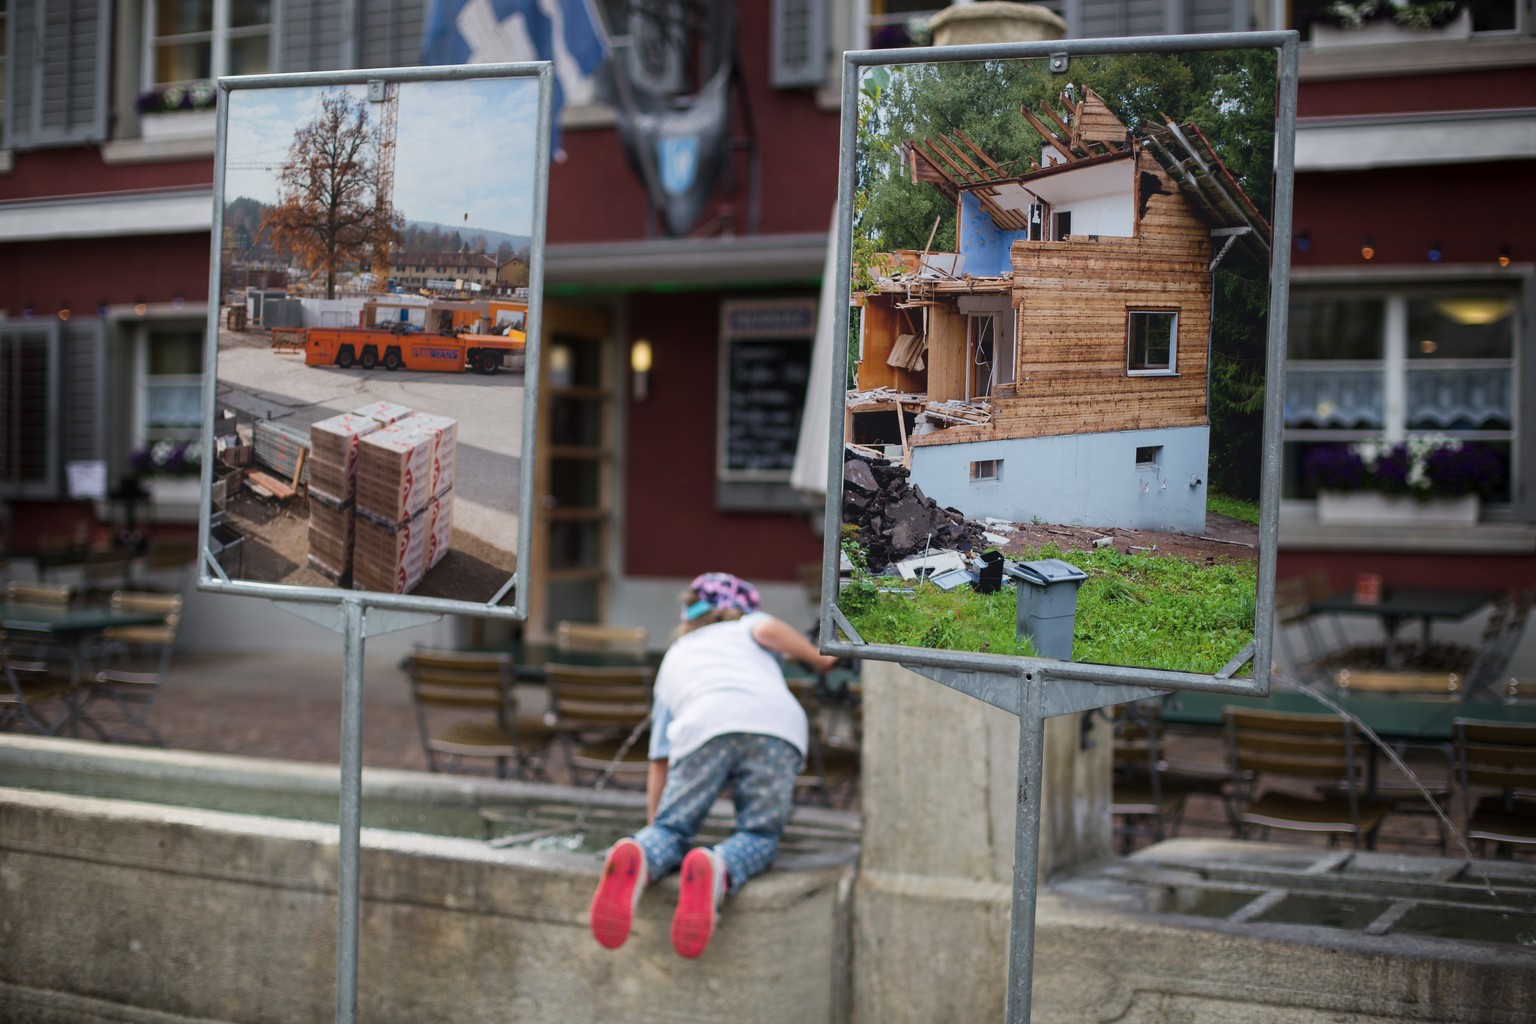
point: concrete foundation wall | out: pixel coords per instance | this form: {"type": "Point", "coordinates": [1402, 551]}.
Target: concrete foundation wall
{"type": "Point", "coordinates": [935, 887]}
{"type": "Point", "coordinates": [121, 911]}
{"type": "Point", "coordinates": [1084, 479]}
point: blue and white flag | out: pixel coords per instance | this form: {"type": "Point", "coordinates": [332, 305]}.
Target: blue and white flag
{"type": "Point", "coordinates": [566, 32]}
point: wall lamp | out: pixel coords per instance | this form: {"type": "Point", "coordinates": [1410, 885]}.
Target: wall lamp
{"type": "Point", "coordinates": [640, 366]}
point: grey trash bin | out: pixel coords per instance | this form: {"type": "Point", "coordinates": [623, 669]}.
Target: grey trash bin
{"type": "Point", "coordinates": [1048, 604]}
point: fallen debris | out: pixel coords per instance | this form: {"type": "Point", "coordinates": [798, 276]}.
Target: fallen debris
{"type": "Point", "coordinates": [896, 520]}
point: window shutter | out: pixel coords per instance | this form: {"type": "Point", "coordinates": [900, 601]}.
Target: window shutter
{"type": "Point", "coordinates": [799, 57]}
{"type": "Point", "coordinates": [82, 384]}
{"type": "Point", "coordinates": [389, 33]}
{"type": "Point", "coordinates": [56, 73]}
{"type": "Point", "coordinates": [29, 461]}
{"type": "Point", "coordinates": [311, 37]}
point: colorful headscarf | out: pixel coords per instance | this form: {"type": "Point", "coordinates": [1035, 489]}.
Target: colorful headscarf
{"type": "Point", "coordinates": [720, 590]}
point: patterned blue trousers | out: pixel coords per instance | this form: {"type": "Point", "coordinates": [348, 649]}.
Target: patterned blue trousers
{"type": "Point", "coordinates": [761, 772]}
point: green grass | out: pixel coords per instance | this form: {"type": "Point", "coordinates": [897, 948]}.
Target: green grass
{"type": "Point", "coordinates": [1140, 610]}
{"type": "Point", "coordinates": [1237, 508]}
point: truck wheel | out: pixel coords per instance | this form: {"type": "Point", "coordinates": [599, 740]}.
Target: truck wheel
{"type": "Point", "coordinates": [392, 358]}
{"type": "Point", "coordinates": [489, 360]}
{"type": "Point", "coordinates": [345, 356]}
{"type": "Point", "coordinates": [370, 357]}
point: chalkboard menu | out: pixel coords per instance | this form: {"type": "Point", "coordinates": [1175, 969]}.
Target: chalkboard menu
{"type": "Point", "coordinates": [765, 364]}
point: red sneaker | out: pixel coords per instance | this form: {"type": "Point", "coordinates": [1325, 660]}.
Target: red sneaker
{"type": "Point", "coordinates": [618, 892]}
{"type": "Point", "coordinates": [702, 889]}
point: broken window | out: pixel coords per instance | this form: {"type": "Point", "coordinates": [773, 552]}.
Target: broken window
{"type": "Point", "coordinates": [1063, 226]}
{"type": "Point", "coordinates": [1149, 457]}
{"type": "Point", "coordinates": [986, 469]}
{"type": "Point", "coordinates": [1152, 335]}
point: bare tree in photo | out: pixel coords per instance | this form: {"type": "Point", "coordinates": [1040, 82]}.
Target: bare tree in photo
{"type": "Point", "coordinates": [328, 215]}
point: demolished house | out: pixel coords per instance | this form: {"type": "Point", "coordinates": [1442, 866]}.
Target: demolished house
{"type": "Point", "coordinates": [1054, 366]}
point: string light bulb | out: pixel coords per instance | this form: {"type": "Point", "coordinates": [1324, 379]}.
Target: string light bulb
{"type": "Point", "coordinates": [1303, 241]}
{"type": "Point", "coordinates": [1503, 255]}
{"type": "Point", "coordinates": [64, 310]}
{"type": "Point", "coordinates": [1368, 249]}
{"type": "Point", "coordinates": [1435, 252]}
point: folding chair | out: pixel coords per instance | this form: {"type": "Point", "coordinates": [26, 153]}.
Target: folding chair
{"type": "Point", "coordinates": [1139, 799]}
{"type": "Point", "coordinates": [172, 557]}
{"type": "Point", "coordinates": [133, 662]}
{"type": "Point", "coordinates": [1500, 756]}
{"type": "Point", "coordinates": [585, 636]}
{"type": "Point", "coordinates": [1264, 744]}
{"type": "Point", "coordinates": [480, 684]}
{"type": "Point", "coordinates": [32, 698]}
{"type": "Point", "coordinates": [105, 572]}
{"type": "Point", "coordinates": [28, 652]}
{"type": "Point", "coordinates": [1446, 685]}
{"type": "Point", "coordinates": [602, 719]}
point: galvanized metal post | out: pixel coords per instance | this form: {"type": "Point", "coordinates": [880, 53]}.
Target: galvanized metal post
{"type": "Point", "coordinates": [1026, 852]}
{"type": "Point", "coordinates": [350, 819]}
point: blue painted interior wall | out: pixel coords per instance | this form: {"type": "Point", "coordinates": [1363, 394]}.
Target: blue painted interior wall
{"type": "Point", "coordinates": [984, 244]}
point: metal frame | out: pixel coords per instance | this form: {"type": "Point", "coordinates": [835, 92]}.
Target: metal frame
{"type": "Point", "coordinates": [211, 576]}
{"type": "Point", "coordinates": [834, 625]}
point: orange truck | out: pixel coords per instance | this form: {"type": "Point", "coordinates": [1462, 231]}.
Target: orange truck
{"type": "Point", "coordinates": [467, 336]}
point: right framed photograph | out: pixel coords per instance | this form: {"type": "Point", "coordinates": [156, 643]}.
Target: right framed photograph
{"type": "Point", "coordinates": [1056, 435]}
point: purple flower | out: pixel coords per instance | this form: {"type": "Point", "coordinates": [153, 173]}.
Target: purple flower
{"type": "Point", "coordinates": [1423, 468]}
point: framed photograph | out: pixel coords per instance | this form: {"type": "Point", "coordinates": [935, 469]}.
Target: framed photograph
{"type": "Point", "coordinates": [1057, 434]}
{"type": "Point", "coordinates": [376, 274]}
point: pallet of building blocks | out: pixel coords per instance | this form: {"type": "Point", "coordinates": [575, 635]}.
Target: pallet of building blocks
{"type": "Point", "coordinates": [334, 444]}
{"type": "Point", "coordinates": [439, 532]}
{"type": "Point", "coordinates": [340, 577]}
{"type": "Point", "coordinates": [444, 432]}
{"type": "Point", "coordinates": [389, 557]}
{"type": "Point", "coordinates": [330, 530]}
{"type": "Point", "coordinates": [394, 469]}
{"type": "Point", "coordinates": [384, 413]}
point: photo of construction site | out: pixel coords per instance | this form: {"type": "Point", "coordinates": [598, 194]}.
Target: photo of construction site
{"type": "Point", "coordinates": [1056, 356]}
{"type": "Point", "coordinates": [376, 248]}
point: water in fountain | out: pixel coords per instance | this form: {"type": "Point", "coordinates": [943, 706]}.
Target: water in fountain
{"type": "Point", "coordinates": [568, 838]}
{"type": "Point", "coordinates": [1400, 764]}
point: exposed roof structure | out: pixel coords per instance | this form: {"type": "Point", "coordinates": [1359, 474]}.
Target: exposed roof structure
{"type": "Point", "coordinates": [1090, 134]}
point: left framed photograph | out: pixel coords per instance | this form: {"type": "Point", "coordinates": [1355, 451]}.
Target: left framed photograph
{"type": "Point", "coordinates": [377, 269]}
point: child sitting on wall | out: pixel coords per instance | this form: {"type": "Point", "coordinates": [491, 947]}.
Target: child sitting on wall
{"type": "Point", "coordinates": [722, 716]}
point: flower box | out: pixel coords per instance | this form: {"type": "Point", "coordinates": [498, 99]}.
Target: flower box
{"type": "Point", "coordinates": [1374, 33]}
{"type": "Point", "coordinates": [1361, 508]}
{"type": "Point", "coordinates": [178, 124]}
{"type": "Point", "coordinates": [174, 499]}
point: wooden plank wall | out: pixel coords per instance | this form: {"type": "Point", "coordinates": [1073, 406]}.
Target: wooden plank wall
{"type": "Point", "coordinates": [883, 322]}
{"type": "Point", "coordinates": [1072, 299]}
{"type": "Point", "coordinates": [946, 353]}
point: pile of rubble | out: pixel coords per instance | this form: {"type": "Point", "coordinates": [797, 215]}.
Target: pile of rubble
{"type": "Point", "coordinates": [895, 519]}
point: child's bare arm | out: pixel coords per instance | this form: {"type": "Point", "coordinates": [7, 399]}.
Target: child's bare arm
{"type": "Point", "coordinates": [777, 635]}
{"type": "Point", "coordinates": [655, 782]}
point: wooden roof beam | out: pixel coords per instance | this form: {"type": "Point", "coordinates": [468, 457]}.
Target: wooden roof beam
{"type": "Point", "coordinates": [964, 175]}
{"type": "Point", "coordinates": [980, 174]}
{"type": "Point", "coordinates": [980, 155]}
{"type": "Point", "coordinates": [1045, 133]}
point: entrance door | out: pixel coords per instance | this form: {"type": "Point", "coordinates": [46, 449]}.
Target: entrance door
{"type": "Point", "coordinates": [573, 471]}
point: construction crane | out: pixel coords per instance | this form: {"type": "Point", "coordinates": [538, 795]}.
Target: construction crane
{"type": "Point", "coordinates": [387, 94]}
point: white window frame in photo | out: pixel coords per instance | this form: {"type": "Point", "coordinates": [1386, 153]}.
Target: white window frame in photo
{"type": "Point", "coordinates": [142, 335]}
{"type": "Point", "coordinates": [1172, 369]}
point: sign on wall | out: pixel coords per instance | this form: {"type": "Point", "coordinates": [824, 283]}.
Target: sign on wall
{"type": "Point", "coordinates": [765, 359]}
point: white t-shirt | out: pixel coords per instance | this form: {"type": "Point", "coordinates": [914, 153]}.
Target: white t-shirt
{"type": "Point", "coordinates": [719, 680]}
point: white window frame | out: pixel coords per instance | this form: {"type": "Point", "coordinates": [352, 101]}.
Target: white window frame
{"type": "Point", "coordinates": [1172, 368]}
{"type": "Point", "coordinates": [986, 471]}
{"type": "Point", "coordinates": [1396, 365]}
{"type": "Point", "coordinates": [142, 335]}
{"type": "Point", "coordinates": [219, 36]}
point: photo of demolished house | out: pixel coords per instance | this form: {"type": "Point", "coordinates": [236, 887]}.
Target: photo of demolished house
{"type": "Point", "coordinates": [377, 240]}
{"type": "Point", "coordinates": [1057, 352]}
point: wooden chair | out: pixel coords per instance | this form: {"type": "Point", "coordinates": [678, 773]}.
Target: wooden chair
{"type": "Point", "coordinates": [1300, 746]}
{"type": "Point", "coordinates": [1293, 616]}
{"type": "Point", "coordinates": [833, 756]}
{"type": "Point", "coordinates": [133, 662]}
{"type": "Point", "coordinates": [30, 654]}
{"type": "Point", "coordinates": [1444, 685]}
{"type": "Point", "coordinates": [32, 698]}
{"type": "Point", "coordinates": [447, 685]}
{"type": "Point", "coordinates": [586, 636]}
{"type": "Point", "coordinates": [1500, 756]}
{"type": "Point", "coordinates": [56, 595]}
{"type": "Point", "coordinates": [602, 719]}
{"type": "Point", "coordinates": [1144, 806]}
{"type": "Point", "coordinates": [166, 564]}
{"type": "Point", "coordinates": [1516, 689]}
{"type": "Point", "coordinates": [106, 571]}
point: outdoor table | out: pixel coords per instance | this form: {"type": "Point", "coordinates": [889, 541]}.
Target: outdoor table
{"type": "Point", "coordinates": [68, 629]}
{"type": "Point", "coordinates": [1400, 604]}
{"type": "Point", "coordinates": [1406, 719]}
